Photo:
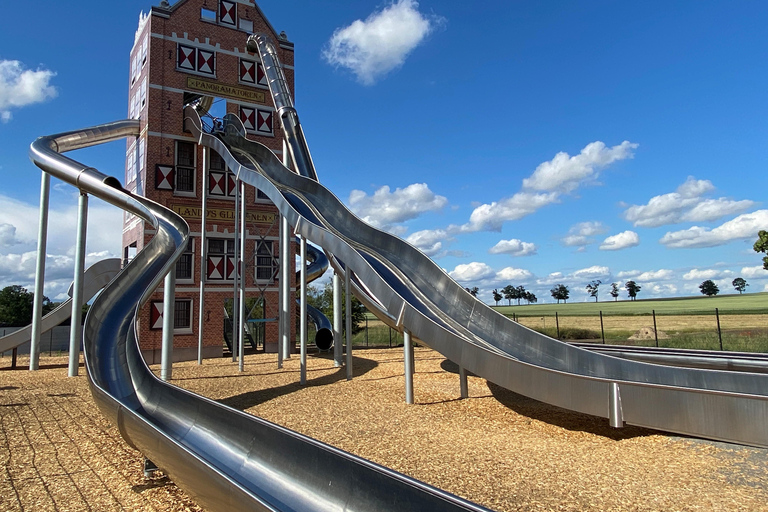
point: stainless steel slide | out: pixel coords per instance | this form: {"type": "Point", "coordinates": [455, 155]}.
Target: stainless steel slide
{"type": "Point", "coordinates": [409, 291]}
{"type": "Point", "coordinates": [95, 278]}
{"type": "Point", "coordinates": [316, 268]}
{"type": "Point", "coordinates": [225, 459]}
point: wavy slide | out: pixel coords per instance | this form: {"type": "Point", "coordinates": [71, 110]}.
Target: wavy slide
{"type": "Point", "coordinates": [95, 278]}
{"type": "Point", "coordinates": [409, 291]}
{"type": "Point", "coordinates": [224, 458]}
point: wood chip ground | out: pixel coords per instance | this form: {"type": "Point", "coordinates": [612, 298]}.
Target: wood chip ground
{"type": "Point", "coordinates": [497, 448]}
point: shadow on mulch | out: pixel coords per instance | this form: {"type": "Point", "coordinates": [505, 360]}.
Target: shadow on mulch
{"type": "Point", "coordinates": [152, 484]}
{"type": "Point", "coordinates": [554, 415]}
{"type": "Point", "coordinates": [250, 399]}
{"type": "Point", "coordinates": [563, 418]}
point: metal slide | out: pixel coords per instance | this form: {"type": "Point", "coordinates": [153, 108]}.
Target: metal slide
{"type": "Point", "coordinates": [316, 268]}
{"type": "Point", "coordinates": [223, 458]}
{"type": "Point", "coordinates": [95, 278]}
{"type": "Point", "coordinates": [409, 291]}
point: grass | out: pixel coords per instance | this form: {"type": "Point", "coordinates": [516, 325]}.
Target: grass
{"type": "Point", "coordinates": [748, 303]}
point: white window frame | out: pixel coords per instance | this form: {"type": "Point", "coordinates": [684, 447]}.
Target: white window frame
{"type": "Point", "coordinates": [176, 191]}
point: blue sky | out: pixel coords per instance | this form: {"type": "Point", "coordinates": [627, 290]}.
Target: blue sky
{"type": "Point", "coordinates": [525, 143]}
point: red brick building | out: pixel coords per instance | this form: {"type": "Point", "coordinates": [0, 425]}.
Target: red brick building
{"type": "Point", "coordinates": [180, 52]}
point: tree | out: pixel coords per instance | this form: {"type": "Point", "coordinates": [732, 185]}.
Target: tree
{"type": "Point", "coordinates": [473, 291]}
{"type": "Point", "coordinates": [496, 296]}
{"type": "Point", "coordinates": [509, 293]}
{"type": "Point", "coordinates": [530, 298]}
{"type": "Point", "coordinates": [16, 306]}
{"type": "Point", "coordinates": [632, 289]}
{"type": "Point", "coordinates": [615, 291]}
{"type": "Point", "coordinates": [323, 300]}
{"type": "Point", "coordinates": [592, 288]}
{"type": "Point", "coordinates": [709, 288]}
{"type": "Point", "coordinates": [740, 284]}
{"type": "Point", "coordinates": [519, 293]}
{"type": "Point", "coordinates": [762, 246]}
{"type": "Point", "coordinates": [560, 292]}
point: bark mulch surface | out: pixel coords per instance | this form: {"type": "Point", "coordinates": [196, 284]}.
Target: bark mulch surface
{"type": "Point", "coordinates": [497, 448]}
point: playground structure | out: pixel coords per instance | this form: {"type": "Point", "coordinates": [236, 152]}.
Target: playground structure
{"type": "Point", "coordinates": [96, 277]}
{"type": "Point", "coordinates": [229, 460]}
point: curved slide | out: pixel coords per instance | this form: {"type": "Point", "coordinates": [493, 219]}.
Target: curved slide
{"type": "Point", "coordinates": [315, 269]}
{"type": "Point", "coordinates": [225, 459]}
{"type": "Point", "coordinates": [409, 291]}
{"type": "Point", "coordinates": [95, 278]}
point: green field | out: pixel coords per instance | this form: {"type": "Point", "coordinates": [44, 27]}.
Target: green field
{"type": "Point", "coordinates": [745, 304]}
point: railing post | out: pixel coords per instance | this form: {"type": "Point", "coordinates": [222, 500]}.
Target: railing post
{"type": "Point", "coordinates": [557, 324]}
{"type": "Point", "coordinates": [602, 329]}
{"type": "Point", "coordinates": [719, 332]}
{"type": "Point", "coordinates": [408, 370]}
{"type": "Point", "coordinates": [76, 324]}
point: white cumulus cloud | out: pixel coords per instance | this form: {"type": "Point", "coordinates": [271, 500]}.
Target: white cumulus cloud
{"type": "Point", "coordinates": [20, 87]}
{"type": "Point", "coordinates": [686, 204]}
{"type": "Point", "coordinates": [756, 272]}
{"type": "Point", "coordinates": [385, 208]}
{"type": "Point", "coordinates": [623, 240]}
{"type": "Point", "coordinates": [513, 247]}
{"type": "Point", "coordinates": [490, 217]}
{"type": "Point", "coordinates": [745, 226]}
{"type": "Point", "coordinates": [472, 272]}
{"type": "Point", "coordinates": [564, 173]}
{"type": "Point", "coordinates": [516, 275]}
{"type": "Point", "coordinates": [696, 274]}
{"type": "Point", "coordinates": [580, 235]}
{"type": "Point", "coordinates": [373, 47]}
{"type": "Point", "coordinates": [429, 241]}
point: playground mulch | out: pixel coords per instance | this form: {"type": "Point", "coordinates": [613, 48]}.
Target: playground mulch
{"type": "Point", "coordinates": [497, 448]}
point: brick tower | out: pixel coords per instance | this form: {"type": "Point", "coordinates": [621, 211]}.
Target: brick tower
{"type": "Point", "coordinates": [180, 52]}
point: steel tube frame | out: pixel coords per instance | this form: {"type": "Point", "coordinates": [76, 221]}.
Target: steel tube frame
{"type": "Point", "coordinates": [76, 324]}
{"type": "Point", "coordinates": [303, 311]}
{"type": "Point", "coordinates": [281, 313]}
{"type": "Point", "coordinates": [348, 318]}
{"type": "Point", "coordinates": [201, 299]}
{"type": "Point", "coordinates": [241, 283]}
{"type": "Point", "coordinates": [463, 384]}
{"type": "Point", "coordinates": [169, 301]}
{"type": "Point", "coordinates": [37, 305]}
{"type": "Point", "coordinates": [338, 359]}
{"type": "Point", "coordinates": [408, 366]}
{"type": "Point", "coordinates": [235, 306]}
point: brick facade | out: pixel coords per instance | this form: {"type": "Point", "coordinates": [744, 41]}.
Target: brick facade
{"type": "Point", "coordinates": [180, 51]}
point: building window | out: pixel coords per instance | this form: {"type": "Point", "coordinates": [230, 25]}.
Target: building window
{"type": "Point", "coordinates": [220, 259]}
{"type": "Point", "coordinates": [266, 266]}
{"type": "Point", "coordinates": [182, 315]}
{"type": "Point", "coordinates": [185, 264]}
{"type": "Point", "coordinates": [227, 13]}
{"type": "Point", "coordinates": [208, 14]}
{"type": "Point", "coordinates": [185, 167]}
{"type": "Point", "coordinates": [257, 120]}
{"type": "Point", "coordinates": [189, 58]}
{"type": "Point", "coordinates": [252, 73]}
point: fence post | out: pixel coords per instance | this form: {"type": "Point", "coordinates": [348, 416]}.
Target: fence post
{"type": "Point", "coordinates": [14, 353]}
{"type": "Point", "coordinates": [366, 330]}
{"type": "Point", "coordinates": [719, 332]}
{"type": "Point", "coordinates": [557, 324]}
{"type": "Point", "coordinates": [390, 337]}
{"type": "Point", "coordinates": [602, 329]}
{"type": "Point", "coordinates": [655, 332]}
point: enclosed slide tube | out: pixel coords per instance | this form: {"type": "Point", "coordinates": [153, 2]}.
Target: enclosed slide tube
{"type": "Point", "coordinates": [225, 459]}
{"type": "Point", "coordinates": [95, 278]}
{"type": "Point", "coordinates": [318, 264]}
{"type": "Point", "coordinates": [415, 294]}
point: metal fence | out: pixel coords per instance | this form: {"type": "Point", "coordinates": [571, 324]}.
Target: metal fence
{"type": "Point", "coordinates": [713, 329]}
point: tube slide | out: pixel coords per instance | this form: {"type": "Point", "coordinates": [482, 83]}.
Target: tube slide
{"type": "Point", "coordinates": [223, 458]}
{"type": "Point", "coordinates": [95, 278]}
{"type": "Point", "coordinates": [316, 268]}
{"type": "Point", "coordinates": [409, 291]}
